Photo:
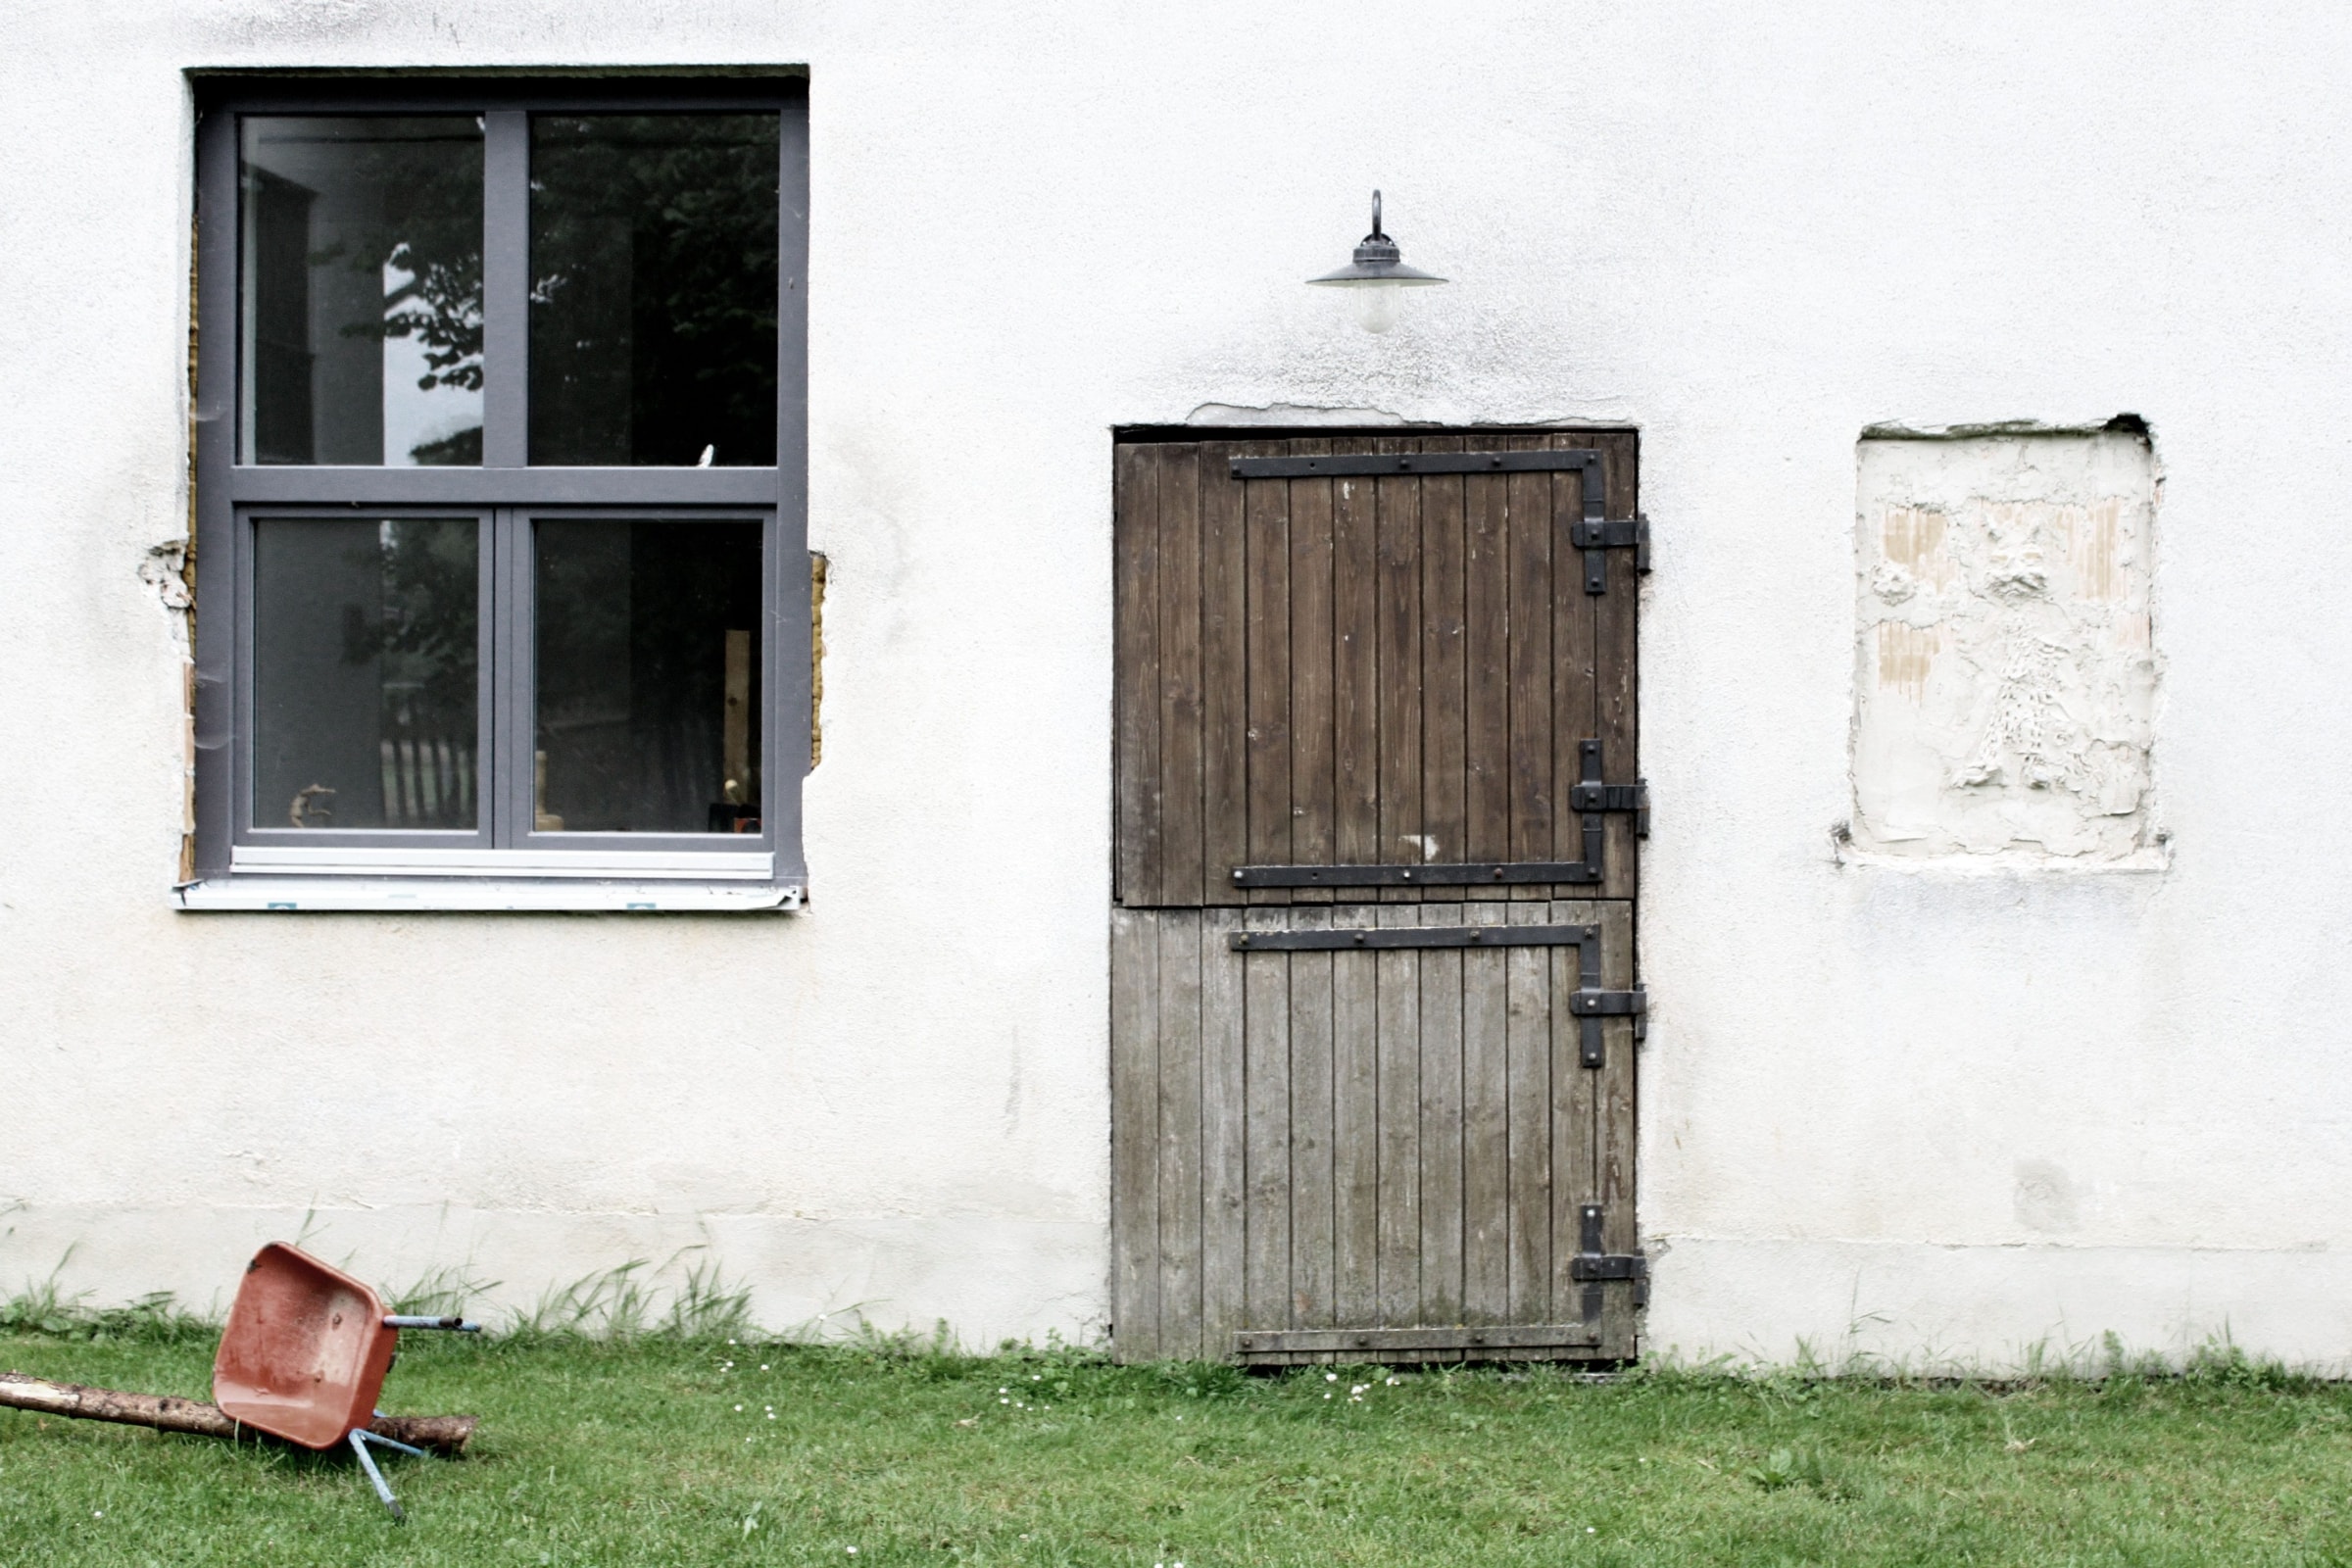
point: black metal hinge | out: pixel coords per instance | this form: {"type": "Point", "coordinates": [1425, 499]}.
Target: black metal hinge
{"type": "Point", "coordinates": [1634, 1004]}
{"type": "Point", "coordinates": [1592, 533]}
{"type": "Point", "coordinates": [1595, 534]}
{"type": "Point", "coordinates": [1590, 1003]}
{"type": "Point", "coordinates": [1594, 1268]}
{"type": "Point", "coordinates": [1589, 798]}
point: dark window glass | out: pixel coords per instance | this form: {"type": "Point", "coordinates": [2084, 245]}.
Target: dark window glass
{"type": "Point", "coordinates": [654, 289]}
{"type": "Point", "coordinates": [647, 717]}
{"type": "Point", "coordinates": [362, 289]}
{"type": "Point", "coordinates": [366, 646]}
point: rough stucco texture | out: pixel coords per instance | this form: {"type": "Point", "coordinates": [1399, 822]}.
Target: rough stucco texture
{"type": "Point", "coordinates": [1925, 1110]}
{"type": "Point", "coordinates": [2005, 687]}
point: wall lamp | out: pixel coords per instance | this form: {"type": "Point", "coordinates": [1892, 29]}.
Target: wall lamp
{"type": "Point", "coordinates": [1378, 277]}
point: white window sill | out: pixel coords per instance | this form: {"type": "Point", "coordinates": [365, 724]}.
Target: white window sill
{"type": "Point", "coordinates": [602, 866]}
{"type": "Point", "coordinates": [316, 893]}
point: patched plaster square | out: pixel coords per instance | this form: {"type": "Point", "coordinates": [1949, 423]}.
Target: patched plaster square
{"type": "Point", "coordinates": [2004, 671]}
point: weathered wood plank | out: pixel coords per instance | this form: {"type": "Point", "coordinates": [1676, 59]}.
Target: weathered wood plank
{"type": "Point", "coordinates": [1616, 1086]}
{"type": "Point", "coordinates": [1531, 664]}
{"type": "Point", "coordinates": [1355, 1126]}
{"type": "Point", "coordinates": [1135, 509]}
{"type": "Point", "coordinates": [1135, 1133]}
{"type": "Point", "coordinates": [1224, 1124]}
{"type": "Point", "coordinates": [1396, 505]}
{"type": "Point", "coordinates": [1180, 739]}
{"type": "Point", "coordinates": [1572, 671]}
{"type": "Point", "coordinates": [1572, 1118]}
{"type": "Point", "coordinates": [1444, 717]}
{"type": "Point", "coordinates": [1486, 1127]}
{"type": "Point", "coordinates": [1528, 1042]}
{"type": "Point", "coordinates": [1224, 676]}
{"type": "Point", "coordinates": [1399, 1026]}
{"type": "Point", "coordinates": [1441, 1120]}
{"type": "Point", "coordinates": [1487, 668]}
{"type": "Point", "coordinates": [1355, 668]}
{"type": "Point", "coordinates": [1267, 1030]}
{"type": "Point", "coordinates": [1268, 506]}
{"type": "Point", "coordinates": [1312, 1087]}
{"type": "Point", "coordinates": [1179, 1132]}
{"type": "Point", "coordinates": [1311, 652]}
{"type": "Point", "coordinates": [1617, 694]}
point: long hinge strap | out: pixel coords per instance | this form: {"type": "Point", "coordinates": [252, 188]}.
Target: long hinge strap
{"type": "Point", "coordinates": [1588, 1004]}
{"type": "Point", "coordinates": [1350, 938]}
{"type": "Point", "coordinates": [1423, 875]}
{"type": "Point", "coordinates": [1588, 797]}
{"type": "Point", "coordinates": [1592, 533]}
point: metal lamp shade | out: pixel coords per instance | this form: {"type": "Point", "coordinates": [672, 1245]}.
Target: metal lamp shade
{"type": "Point", "coordinates": [1377, 274]}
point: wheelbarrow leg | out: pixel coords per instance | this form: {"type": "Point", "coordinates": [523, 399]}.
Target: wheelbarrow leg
{"type": "Point", "coordinates": [360, 1437]}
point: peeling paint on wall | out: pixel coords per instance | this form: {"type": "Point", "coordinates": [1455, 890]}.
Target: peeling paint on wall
{"type": "Point", "coordinates": [169, 568]}
{"type": "Point", "coordinates": [2006, 677]}
{"type": "Point", "coordinates": [1282, 413]}
{"type": "Point", "coordinates": [819, 565]}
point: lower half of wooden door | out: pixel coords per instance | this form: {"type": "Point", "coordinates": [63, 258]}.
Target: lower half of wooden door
{"type": "Point", "coordinates": [1365, 1133]}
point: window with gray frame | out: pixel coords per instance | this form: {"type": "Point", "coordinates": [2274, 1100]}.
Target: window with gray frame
{"type": "Point", "coordinates": [501, 480]}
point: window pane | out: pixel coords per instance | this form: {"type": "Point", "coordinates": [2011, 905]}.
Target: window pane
{"type": "Point", "coordinates": [654, 289]}
{"type": "Point", "coordinates": [366, 649]}
{"type": "Point", "coordinates": [648, 704]}
{"type": "Point", "coordinates": [362, 289]}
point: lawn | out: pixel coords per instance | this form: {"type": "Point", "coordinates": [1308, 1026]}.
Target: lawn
{"type": "Point", "coordinates": [654, 1451]}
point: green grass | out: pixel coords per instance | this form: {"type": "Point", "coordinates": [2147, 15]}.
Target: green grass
{"type": "Point", "coordinates": [656, 1450]}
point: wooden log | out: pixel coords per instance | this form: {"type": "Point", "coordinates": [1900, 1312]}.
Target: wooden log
{"type": "Point", "coordinates": [445, 1434]}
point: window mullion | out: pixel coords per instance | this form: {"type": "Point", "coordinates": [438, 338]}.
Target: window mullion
{"type": "Point", "coordinates": [511, 768]}
{"type": "Point", "coordinates": [505, 288]}
{"type": "Point", "coordinates": [486, 768]}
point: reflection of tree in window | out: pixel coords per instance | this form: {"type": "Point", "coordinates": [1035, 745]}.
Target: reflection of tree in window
{"type": "Point", "coordinates": [362, 233]}
{"type": "Point", "coordinates": [653, 278]}
{"type": "Point", "coordinates": [365, 662]}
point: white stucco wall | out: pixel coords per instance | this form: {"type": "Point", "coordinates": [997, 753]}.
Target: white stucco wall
{"type": "Point", "coordinates": [1908, 1109]}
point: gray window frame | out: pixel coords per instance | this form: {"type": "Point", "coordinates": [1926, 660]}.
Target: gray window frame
{"type": "Point", "coordinates": [504, 493]}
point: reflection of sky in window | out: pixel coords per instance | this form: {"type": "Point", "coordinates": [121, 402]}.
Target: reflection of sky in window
{"type": "Point", "coordinates": [417, 415]}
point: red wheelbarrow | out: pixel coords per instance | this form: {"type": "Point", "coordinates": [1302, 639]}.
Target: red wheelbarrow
{"type": "Point", "coordinates": [305, 1355]}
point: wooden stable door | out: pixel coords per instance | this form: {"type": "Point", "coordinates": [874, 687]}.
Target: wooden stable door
{"type": "Point", "coordinates": [1378, 821]}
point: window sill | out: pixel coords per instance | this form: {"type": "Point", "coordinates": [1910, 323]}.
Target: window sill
{"type": "Point", "coordinates": [314, 894]}
{"type": "Point", "coordinates": [505, 866]}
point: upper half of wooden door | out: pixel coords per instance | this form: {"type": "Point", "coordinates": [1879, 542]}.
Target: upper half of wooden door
{"type": "Point", "coordinates": [1391, 669]}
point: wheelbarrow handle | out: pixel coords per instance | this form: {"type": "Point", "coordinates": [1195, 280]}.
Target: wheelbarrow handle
{"type": "Point", "coordinates": [459, 1324]}
{"type": "Point", "coordinates": [359, 1438]}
